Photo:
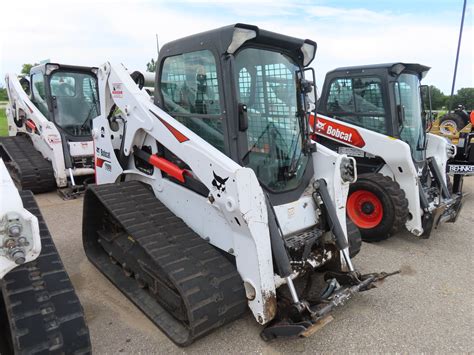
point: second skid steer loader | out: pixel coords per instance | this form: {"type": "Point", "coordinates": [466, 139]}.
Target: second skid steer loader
{"type": "Point", "coordinates": [49, 126]}
{"type": "Point", "coordinates": [375, 114]}
{"type": "Point", "coordinates": [214, 198]}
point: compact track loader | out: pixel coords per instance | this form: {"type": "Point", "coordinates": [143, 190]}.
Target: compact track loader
{"type": "Point", "coordinates": [213, 197]}
{"type": "Point", "coordinates": [49, 123]}
{"type": "Point", "coordinates": [374, 113]}
{"type": "Point", "coordinates": [39, 309]}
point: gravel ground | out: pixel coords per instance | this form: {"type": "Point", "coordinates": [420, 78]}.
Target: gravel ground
{"type": "Point", "coordinates": [427, 308]}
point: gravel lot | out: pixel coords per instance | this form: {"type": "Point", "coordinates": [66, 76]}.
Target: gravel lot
{"type": "Point", "coordinates": [428, 308]}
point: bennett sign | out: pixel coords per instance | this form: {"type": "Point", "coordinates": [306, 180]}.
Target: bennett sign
{"type": "Point", "coordinates": [338, 131]}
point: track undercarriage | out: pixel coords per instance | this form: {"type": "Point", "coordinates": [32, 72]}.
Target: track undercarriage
{"type": "Point", "coordinates": [39, 309]}
{"type": "Point", "coordinates": [181, 282]}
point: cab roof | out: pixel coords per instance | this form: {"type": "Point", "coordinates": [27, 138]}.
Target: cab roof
{"type": "Point", "coordinates": [393, 68]}
{"type": "Point", "coordinates": [42, 68]}
{"type": "Point", "coordinates": [222, 38]}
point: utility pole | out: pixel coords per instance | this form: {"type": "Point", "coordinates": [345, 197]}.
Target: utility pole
{"type": "Point", "coordinates": [457, 57]}
{"type": "Point", "coordinates": [158, 44]}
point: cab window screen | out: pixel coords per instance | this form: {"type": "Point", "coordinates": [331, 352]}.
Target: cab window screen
{"type": "Point", "coordinates": [358, 101]}
{"type": "Point", "coordinates": [189, 83]}
{"type": "Point", "coordinates": [39, 94]}
{"type": "Point", "coordinates": [190, 89]}
{"type": "Point", "coordinates": [76, 101]}
{"type": "Point", "coordinates": [63, 85]}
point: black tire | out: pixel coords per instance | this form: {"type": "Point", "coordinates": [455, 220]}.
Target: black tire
{"type": "Point", "coordinates": [453, 119]}
{"type": "Point", "coordinates": [392, 200]}
{"type": "Point", "coordinates": [355, 238]}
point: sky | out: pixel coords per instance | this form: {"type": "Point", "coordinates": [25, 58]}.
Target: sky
{"type": "Point", "coordinates": [348, 32]}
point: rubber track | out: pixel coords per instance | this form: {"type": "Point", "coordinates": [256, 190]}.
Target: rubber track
{"type": "Point", "coordinates": [397, 195]}
{"type": "Point", "coordinates": [26, 165]}
{"type": "Point", "coordinates": [208, 284]}
{"type": "Point", "coordinates": [44, 311]}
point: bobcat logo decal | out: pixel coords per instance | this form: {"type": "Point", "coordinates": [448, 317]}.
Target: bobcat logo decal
{"type": "Point", "coordinates": [320, 125]}
{"type": "Point", "coordinates": [219, 183]}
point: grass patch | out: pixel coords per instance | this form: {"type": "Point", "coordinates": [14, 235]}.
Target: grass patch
{"type": "Point", "coordinates": [3, 123]}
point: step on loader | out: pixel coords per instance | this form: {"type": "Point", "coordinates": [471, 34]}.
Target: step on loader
{"type": "Point", "coordinates": [39, 309]}
{"type": "Point", "coordinates": [49, 126]}
{"type": "Point", "coordinates": [212, 197]}
{"type": "Point", "coordinates": [375, 114]}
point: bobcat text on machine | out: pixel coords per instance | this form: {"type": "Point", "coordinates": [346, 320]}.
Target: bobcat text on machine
{"type": "Point", "coordinates": [39, 309]}
{"type": "Point", "coordinates": [378, 118]}
{"type": "Point", "coordinates": [214, 196]}
{"type": "Point", "coordinates": [49, 123]}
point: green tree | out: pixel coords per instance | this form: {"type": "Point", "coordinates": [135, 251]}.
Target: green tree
{"type": "Point", "coordinates": [438, 99]}
{"type": "Point", "coordinates": [151, 66]}
{"type": "Point", "coordinates": [25, 69]}
{"type": "Point", "coordinates": [3, 94]}
{"type": "Point", "coordinates": [465, 97]}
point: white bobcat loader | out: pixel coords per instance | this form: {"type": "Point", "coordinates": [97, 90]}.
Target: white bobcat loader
{"type": "Point", "coordinates": [49, 123]}
{"type": "Point", "coordinates": [375, 113]}
{"type": "Point", "coordinates": [213, 198]}
{"type": "Point", "coordinates": [39, 309]}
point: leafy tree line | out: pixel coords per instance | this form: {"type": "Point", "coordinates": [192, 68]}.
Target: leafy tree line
{"type": "Point", "coordinates": [440, 101]}
{"type": "Point", "coordinates": [3, 94]}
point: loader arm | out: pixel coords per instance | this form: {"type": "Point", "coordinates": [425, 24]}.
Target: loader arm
{"type": "Point", "coordinates": [19, 230]}
{"type": "Point", "coordinates": [25, 118]}
{"type": "Point", "coordinates": [235, 204]}
{"type": "Point", "coordinates": [396, 155]}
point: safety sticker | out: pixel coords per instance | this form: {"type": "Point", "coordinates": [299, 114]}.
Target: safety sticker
{"type": "Point", "coordinates": [117, 91]}
{"type": "Point", "coordinates": [53, 139]}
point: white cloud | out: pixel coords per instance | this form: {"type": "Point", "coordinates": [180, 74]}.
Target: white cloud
{"type": "Point", "coordinates": [90, 32]}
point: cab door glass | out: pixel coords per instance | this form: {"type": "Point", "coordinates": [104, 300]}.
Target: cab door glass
{"type": "Point", "coordinates": [266, 83]}
{"type": "Point", "coordinates": [76, 101]}
{"type": "Point", "coordinates": [358, 101]}
{"type": "Point", "coordinates": [190, 89]}
{"type": "Point", "coordinates": [39, 94]}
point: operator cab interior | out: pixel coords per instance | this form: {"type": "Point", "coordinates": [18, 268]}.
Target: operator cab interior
{"type": "Point", "coordinates": [66, 95]}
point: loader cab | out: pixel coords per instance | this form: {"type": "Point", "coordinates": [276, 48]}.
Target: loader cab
{"type": "Point", "coordinates": [384, 98]}
{"type": "Point", "coordinates": [68, 96]}
{"type": "Point", "coordinates": [242, 89]}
